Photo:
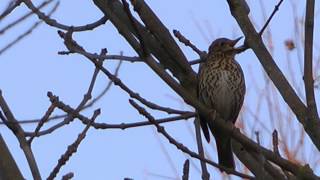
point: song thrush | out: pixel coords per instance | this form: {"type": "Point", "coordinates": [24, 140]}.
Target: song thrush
{"type": "Point", "coordinates": [221, 87]}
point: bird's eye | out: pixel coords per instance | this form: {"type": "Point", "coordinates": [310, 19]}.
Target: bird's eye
{"type": "Point", "coordinates": [222, 44]}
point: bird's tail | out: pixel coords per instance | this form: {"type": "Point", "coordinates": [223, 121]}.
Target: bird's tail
{"type": "Point", "coordinates": [224, 149]}
{"type": "Point", "coordinates": [204, 127]}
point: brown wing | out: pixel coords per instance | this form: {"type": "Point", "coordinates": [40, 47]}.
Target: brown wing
{"type": "Point", "coordinates": [239, 92]}
{"type": "Point", "coordinates": [203, 121]}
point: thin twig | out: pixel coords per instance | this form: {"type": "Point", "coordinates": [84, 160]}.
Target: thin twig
{"type": "Point", "coordinates": [108, 57]}
{"type": "Point", "coordinates": [43, 120]}
{"type": "Point", "coordinates": [131, 59]}
{"type": "Point", "coordinates": [68, 176]}
{"type": "Point", "coordinates": [87, 96]}
{"type": "Point", "coordinates": [89, 104]}
{"type": "Point", "coordinates": [205, 174]}
{"type": "Point", "coordinates": [261, 159]}
{"type": "Point", "coordinates": [276, 8]}
{"type": "Point", "coordinates": [29, 31]}
{"type": "Point", "coordinates": [11, 6]}
{"type": "Point", "coordinates": [187, 42]}
{"type": "Point", "coordinates": [85, 120]}
{"type": "Point", "coordinates": [12, 24]}
{"type": "Point", "coordinates": [105, 90]}
{"type": "Point", "coordinates": [56, 24]}
{"type": "Point", "coordinates": [275, 142]}
{"type": "Point", "coordinates": [186, 167]}
{"type": "Point", "coordinates": [196, 61]}
{"type": "Point", "coordinates": [245, 46]}
{"type": "Point", "coordinates": [72, 148]}
{"type": "Point", "coordinates": [74, 47]}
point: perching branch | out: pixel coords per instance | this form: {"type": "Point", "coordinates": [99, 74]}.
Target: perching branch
{"type": "Point", "coordinates": [180, 146]}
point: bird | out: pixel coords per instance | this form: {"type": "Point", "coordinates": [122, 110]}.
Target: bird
{"type": "Point", "coordinates": [221, 87]}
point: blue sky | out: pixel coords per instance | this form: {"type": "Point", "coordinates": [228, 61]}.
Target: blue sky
{"type": "Point", "coordinates": [33, 67]}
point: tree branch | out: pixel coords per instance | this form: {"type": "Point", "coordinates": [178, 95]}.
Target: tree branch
{"type": "Point", "coordinates": [276, 8]}
{"type": "Point", "coordinates": [186, 166]}
{"type": "Point", "coordinates": [188, 96]}
{"type": "Point", "coordinates": [205, 173]}
{"type": "Point", "coordinates": [27, 32]}
{"type": "Point", "coordinates": [308, 58]}
{"type": "Point", "coordinates": [254, 41]}
{"type": "Point", "coordinates": [17, 130]}
{"type": "Point", "coordinates": [73, 147]}
{"type": "Point", "coordinates": [8, 166]}
{"type": "Point", "coordinates": [180, 146]}
{"type": "Point", "coordinates": [74, 113]}
{"type": "Point", "coordinates": [11, 6]}
{"type": "Point", "coordinates": [56, 24]}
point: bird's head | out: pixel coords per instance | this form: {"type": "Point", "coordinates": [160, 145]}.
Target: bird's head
{"type": "Point", "coordinates": [224, 46]}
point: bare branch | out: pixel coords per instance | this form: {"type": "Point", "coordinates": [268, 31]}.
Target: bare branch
{"type": "Point", "coordinates": [67, 176]}
{"type": "Point", "coordinates": [74, 47]}
{"type": "Point", "coordinates": [43, 120]}
{"type": "Point", "coordinates": [89, 104]}
{"type": "Point", "coordinates": [276, 8]}
{"type": "Point", "coordinates": [73, 112]}
{"type": "Point", "coordinates": [162, 34]}
{"type": "Point", "coordinates": [19, 133]}
{"type": "Point", "coordinates": [29, 31]}
{"type": "Point", "coordinates": [275, 142]}
{"type": "Point", "coordinates": [11, 6]}
{"type": "Point", "coordinates": [186, 166]}
{"type": "Point", "coordinates": [105, 57]}
{"type": "Point", "coordinates": [152, 33]}
{"type": "Point", "coordinates": [254, 41]}
{"type": "Point", "coordinates": [245, 46]}
{"type": "Point", "coordinates": [187, 42]}
{"type": "Point", "coordinates": [247, 157]}
{"type": "Point", "coordinates": [308, 58]}
{"type": "Point", "coordinates": [229, 128]}
{"type": "Point", "coordinates": [72, 148]}
{"type": "Point", "coordinates": [12, 24]}
{"type": "Point", "coordinates": [56, 24]}
{"type": "Point", "coordinates": [145, 51]}
{"type": "Point", "coordinates": [205, 174]}
{"type": "Point", "coordinates": [131, 59]}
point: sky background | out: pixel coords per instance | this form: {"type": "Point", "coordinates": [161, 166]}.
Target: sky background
{"type": "Point", "coordinates": [32, 68]}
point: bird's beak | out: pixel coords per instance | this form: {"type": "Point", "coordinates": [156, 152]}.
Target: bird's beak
{"type": "Point", "coordinates": [234, 42]}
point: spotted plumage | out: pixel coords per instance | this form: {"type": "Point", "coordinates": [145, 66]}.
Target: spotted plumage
{"type": "Point", "coordinates": [221, 87]}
